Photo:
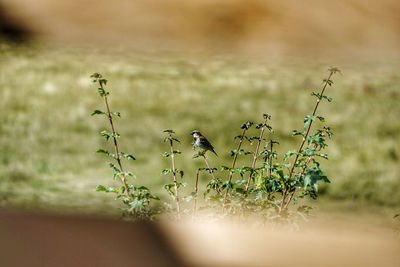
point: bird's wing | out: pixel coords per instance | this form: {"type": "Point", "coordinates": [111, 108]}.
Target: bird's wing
{"type": "Point", "coordinates": [205, 142]}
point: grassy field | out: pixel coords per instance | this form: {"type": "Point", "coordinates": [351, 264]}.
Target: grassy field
{"type": "Point", "coordinates": [48, 138]}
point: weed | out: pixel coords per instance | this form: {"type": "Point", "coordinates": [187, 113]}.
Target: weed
{"type": "Point", "coordinates": [173, 170]}
{"type": "Point", "coordinates": [136, 198]}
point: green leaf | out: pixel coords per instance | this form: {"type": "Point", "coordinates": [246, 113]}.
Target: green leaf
{"type": "Point", "coordinates": [100, 188]}
{"type": "Point", "coordinates": [236, 152]}
{"type": "Point", "coordinates": [199, 154]}
{"type": "Point", "coordinates": [307, 120]}
{"type": "Point", "coordinates": [266, 116]}
{"type": "Point", "coordinates": [225, 168]}
{"type": "Point", "coordinates": [104, 81]}
{"type": "Point", "coordinates": [112, 190]}
{"type": "Point", "coordinates": [96, 75]}
{"type": "Point", "coordinates": [169, 187]}
{"type": "Point", "coordinates": [166, 171]}
{"type": "Point", "coordinates": [116, 113]}
{"type": "Point", "coordinates": [102, 151]}
{"type": "Point", "coordinates": [295, 132]}
{"type": "Point", "coordinates": [281, 174]}
{"type": "Point", "coordinates": [101, 92]}
{"type": "Point", "coordinates": [127, 173]}
{"type": "Point", "coordinates": [97, 112]}
{"type": "Point", "coordinates": [259, 125]}
{"type": "Point", "coordinates": [309, 152]}
{"type": "Point", "coordinates": [312, 177]}
{"type": "Point", "coordinates": [127, 156]}
{"type": "Point", "coordinates": [246, 125]}
{"type": "Point", "coordinates": [289, 154]}
{"type": "Point", "coordinates": [165, 154]}
{"type": "Point", "coordinates": [108, 135]}
{"type": "Point", "coordinates": [112, 166]}
{"type": "Point", "coordinates": [329, 82]}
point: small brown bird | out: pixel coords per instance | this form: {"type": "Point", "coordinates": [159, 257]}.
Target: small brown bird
{"type": "Point", "coordinates": [202, 142]}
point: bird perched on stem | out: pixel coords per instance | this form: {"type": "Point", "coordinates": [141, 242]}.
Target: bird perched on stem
{"type": "Point", "coordinates": [202, 142]}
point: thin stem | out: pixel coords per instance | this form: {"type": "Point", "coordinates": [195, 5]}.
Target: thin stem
{"type": "Point", "coordinates": [285, 192]}
{"type": "Point", "coordinates": [270, 167]}
{"type": "Point", "coordinates": [233, 165]}
{"type": "Point", "coordinates": [212, 172]}
{"type": "Point", "coordinates": [117, 156]}
{"type": "Point", "coordinates": [256, 154]}
{"type": "Point", "coordinates": [270, 161]}
{"type": "Point", "coordinates": [195, 196]}
{"type": "Point", "coordinates": [178, 208]}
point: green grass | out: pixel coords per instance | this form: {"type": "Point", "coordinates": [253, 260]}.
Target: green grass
{"type": "Point", "coordinates": [48, 138]}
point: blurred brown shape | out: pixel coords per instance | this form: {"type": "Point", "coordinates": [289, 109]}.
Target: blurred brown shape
{"type": "Point", "coordinates": [326, 243]}
{"type": "Point", "coordinates": [314, 26]}
{"type": "Point", "coordinates": [10, 29]}
{"type": "Point", "coordinates": [44, 240]}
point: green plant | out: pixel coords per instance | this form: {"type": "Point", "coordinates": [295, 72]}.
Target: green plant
{"type": "Point", "coordinates": [276, 184]}
{"type": "Point", "coordinates": [135, 198]}
{"type": "Point", "coordinates": [215, 183]}
{"type": "Point", "coordinates": [308, 178]}
{"type": "Point", "coordinates": [245, 126]}
{"type": "Point", "coordinates": [256, 154]}
{"type": "Point", "coordinates": [169, 138]}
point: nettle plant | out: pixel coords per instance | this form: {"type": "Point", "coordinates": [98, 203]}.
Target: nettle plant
{"type": "Point", "coordinates": [174, 171]}
{"type": "Point", "coordinates": [136, 199]}
{"type": "Point", "coordinates": [267, 187]}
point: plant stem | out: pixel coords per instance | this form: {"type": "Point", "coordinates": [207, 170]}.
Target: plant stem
{"type": "Point", "coordinates": [117, 156]}
{"type": "Point", "coordinates": [285, 192]}
{"type": "Point", "coordinates": [178, 208]}
{"type": "Point", "coordinates": [256, 155]}
{"type": "Point", "coordinates": [233, 165]}
{"type": "Point", "coordinates": [212, 172]}
{"type": "Point", "coordinates": [195, 197]}
{"type": "Point", "coordinates": [270, 168]}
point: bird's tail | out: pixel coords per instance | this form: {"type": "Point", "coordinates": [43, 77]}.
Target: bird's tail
{"type": "Point", "coordinates": [214, 152]}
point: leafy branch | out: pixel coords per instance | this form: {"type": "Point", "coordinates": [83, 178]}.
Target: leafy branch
{"type": "Point", "coordinates": [99, 78]}
{"type": "Point", "coordinates": [307, 125]}
{"type": "Point", "coordinates": [171, 140]}
{"type": "Point", "coordinates": [260, 138]}
{"type": "Point", "coordinates": [245, 127]}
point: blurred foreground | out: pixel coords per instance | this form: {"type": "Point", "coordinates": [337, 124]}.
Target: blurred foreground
{"type": "Point", "coordinates": [357, 28]}
{"type": "Point", "coordinates": [43, 240]}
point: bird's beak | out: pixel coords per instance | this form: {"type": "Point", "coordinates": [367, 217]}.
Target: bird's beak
{"type": "Point", "coordinates": [191, 133]}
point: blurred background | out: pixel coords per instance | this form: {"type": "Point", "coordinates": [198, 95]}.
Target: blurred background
{"type": "Point", "coordinates": [183, 65]}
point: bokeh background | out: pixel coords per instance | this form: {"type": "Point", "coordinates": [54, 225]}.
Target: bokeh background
{"type": "Point", "coordinates": [184, 65]}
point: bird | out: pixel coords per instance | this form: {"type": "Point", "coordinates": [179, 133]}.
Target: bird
{"type": "Point", "coordinates": [202, 142]}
